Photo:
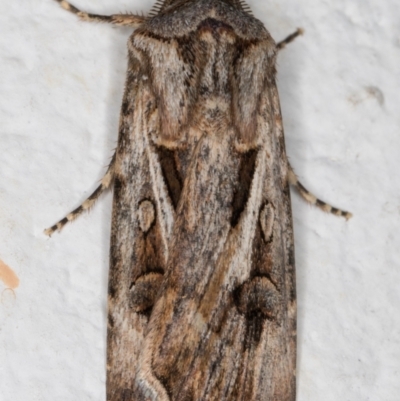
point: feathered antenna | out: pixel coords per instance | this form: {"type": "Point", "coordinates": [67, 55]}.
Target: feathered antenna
{"type": "Point", "coordinates": [245, 7]}
{"type": "Point", "coordinates": [156, 8]}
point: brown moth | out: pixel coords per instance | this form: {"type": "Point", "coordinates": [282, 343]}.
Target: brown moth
{"type": "Point", "coordinates": [202, 294]}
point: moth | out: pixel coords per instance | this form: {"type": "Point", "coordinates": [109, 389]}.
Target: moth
{"type": "Point", "coordinates": [202, 294]}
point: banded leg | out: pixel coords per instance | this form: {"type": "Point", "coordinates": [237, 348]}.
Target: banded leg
{"type": "Point", "coordinates": [280, 45]}
{"type": "Point", "coordinates": [293, 180]}
{"type": "Point", "coordinates": [89, 202]}
{"type": "Point", "coordinates": [116, 19]}
{"type": "Point", "coordinates": [310, 198]}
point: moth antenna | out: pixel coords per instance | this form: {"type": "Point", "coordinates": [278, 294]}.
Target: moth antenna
{"type": "Point", "coordinates": [245, 7]}
{"type": "Point", "coordinates": [157, 7]}
{"type": "Point", "coordinates": [311, 198]}
{"type": "Point", "coordinates": [89, 202]}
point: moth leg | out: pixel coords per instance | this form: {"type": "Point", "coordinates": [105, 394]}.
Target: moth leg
{"type": "Point", "coordinates": [280, 45]}
{"type": "Point", "coordinates": [116, 19]}
{"type": "Point", "coordinates": [89, 202]}
{"type": "Point", "coordinates": [311, 198]}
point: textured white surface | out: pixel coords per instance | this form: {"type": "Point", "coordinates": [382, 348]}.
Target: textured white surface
{"type": "Point", "coordinates": [61, 83]}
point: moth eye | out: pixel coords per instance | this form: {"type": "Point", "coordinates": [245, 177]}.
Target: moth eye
{"type": "Point", "coordinates": [144, 291]}
{"type": "Point", "coordinates": [267, 217]}
{"type": "Point", "coordinates": [147, 215]}
{"type": "Point", "coordinates": [242, 190]}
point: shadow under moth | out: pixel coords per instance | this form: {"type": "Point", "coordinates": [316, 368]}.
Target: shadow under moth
{"type": "Point", "coordinates": [202, 295]}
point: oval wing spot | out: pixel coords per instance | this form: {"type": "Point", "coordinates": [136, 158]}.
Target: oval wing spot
{"type": "Point", "coordinates": [147, 215]}
{"type": "Point", "coordinates": [267, 217]}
